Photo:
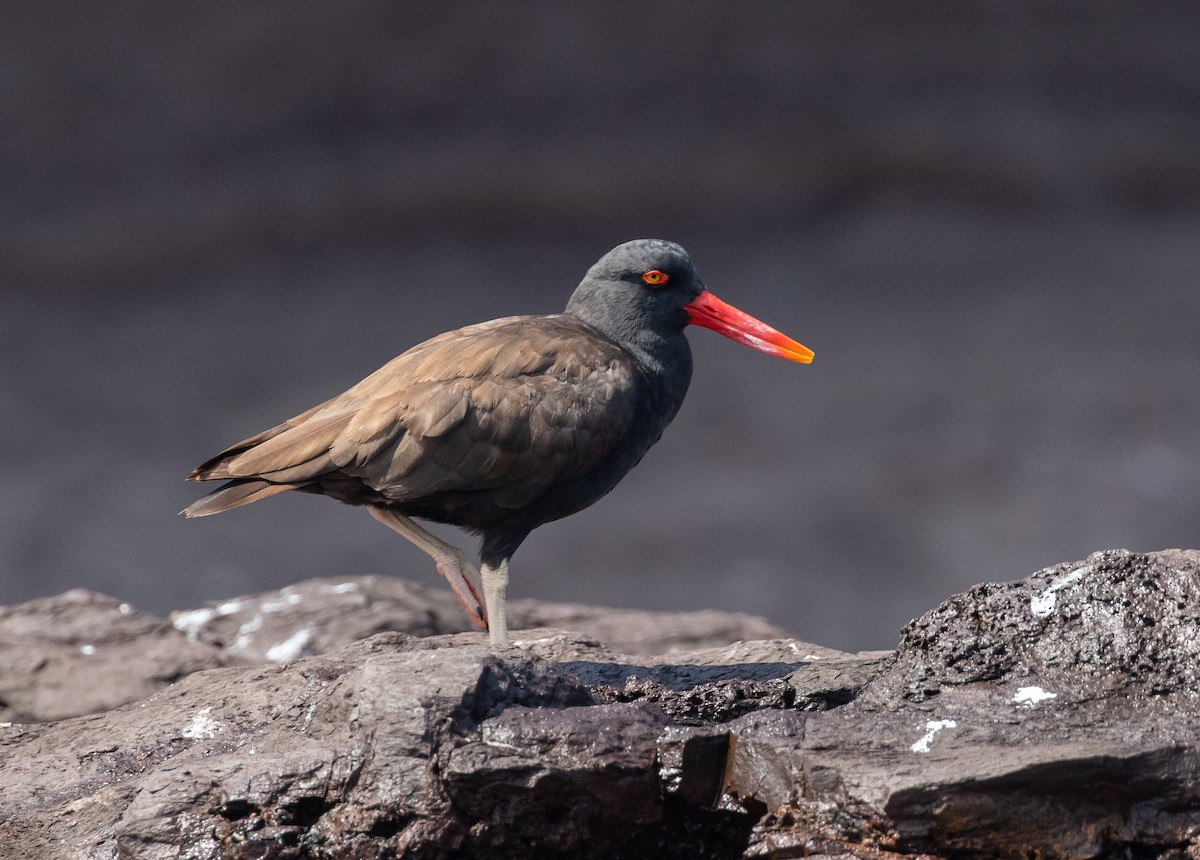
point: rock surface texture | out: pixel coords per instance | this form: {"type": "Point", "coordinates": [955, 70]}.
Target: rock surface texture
{"type": "Point", "coordinates": [1054, 716]}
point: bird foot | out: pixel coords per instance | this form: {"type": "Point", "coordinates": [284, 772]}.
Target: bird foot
{"type": "Point", "coordinates": [466, 584]}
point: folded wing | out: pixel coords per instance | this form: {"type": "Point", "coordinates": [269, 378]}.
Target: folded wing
{"type": "Point", "coordinates": [508, 408]}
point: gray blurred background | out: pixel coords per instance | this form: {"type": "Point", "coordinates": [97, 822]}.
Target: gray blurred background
{"type": "Point", "coordinates": [983, 217]}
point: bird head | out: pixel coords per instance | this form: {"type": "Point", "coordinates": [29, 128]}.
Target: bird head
{"type": "Point", "coordinates": [650, 287]}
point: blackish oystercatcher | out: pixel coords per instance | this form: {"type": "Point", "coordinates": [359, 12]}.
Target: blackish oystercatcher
{"type": "Point", "coordinates": [505, 425]}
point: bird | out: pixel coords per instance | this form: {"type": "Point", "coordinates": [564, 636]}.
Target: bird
{"type": "Point", "coordinates": [502, 426]}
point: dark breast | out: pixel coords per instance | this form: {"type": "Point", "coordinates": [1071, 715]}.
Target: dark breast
{"type": "Point", "coordinates": [497, 427]}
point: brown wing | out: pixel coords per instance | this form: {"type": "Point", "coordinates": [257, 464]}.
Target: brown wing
{"type": "Point", "coordinates": [510, 406]}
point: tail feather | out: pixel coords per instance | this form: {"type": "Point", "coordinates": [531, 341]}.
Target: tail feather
{"type": "Point", "coordinates": [214, 468]}
{"type": "Point", "coordinates": [234, 495]}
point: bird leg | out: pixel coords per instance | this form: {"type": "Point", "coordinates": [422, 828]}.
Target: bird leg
{"type": "Point", "coordinates": [495, 581]}
{"type": "Point", "coordinates": [452, 563]}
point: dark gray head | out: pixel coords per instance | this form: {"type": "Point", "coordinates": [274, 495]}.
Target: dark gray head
{"type": "Point", "coordinates": [636, 292]}
{"type": "Point", "coordinates": [642, 294]}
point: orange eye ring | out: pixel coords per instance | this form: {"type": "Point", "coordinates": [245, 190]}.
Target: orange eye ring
{"type": "Point", "coordinates": [655, 278]}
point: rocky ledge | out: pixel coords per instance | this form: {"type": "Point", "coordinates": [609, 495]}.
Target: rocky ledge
{"type": "Point", "coordinates": [1054, 716]}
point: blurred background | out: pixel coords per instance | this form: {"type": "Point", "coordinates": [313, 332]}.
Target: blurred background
{"type": "Point", "coordinates": [984, 217]}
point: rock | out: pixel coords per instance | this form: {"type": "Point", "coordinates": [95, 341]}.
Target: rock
{"type": "Point", "coordinates": [82, 652]}
{"type": "Point", "coordinates": [1052, 717]}
{"type": "Point", "coordinates": [531, 766]}
{"type": "Point", "coordinates": [316, 615]}
{"type": "Point", "coordinates": [1118, 622]}
{"type": "Point", "coordinates": [714, 686]}
{"type": "Point", "coordinates": [341, 747]}
{"type": "Point", "coordinates": [639, 631]}
{"type": "Point", "coordinates": [1055, 716]}
{"type": "Point", "coordinates": [319, 615]}
{"type": "Point", "coordinates": [396, 744]}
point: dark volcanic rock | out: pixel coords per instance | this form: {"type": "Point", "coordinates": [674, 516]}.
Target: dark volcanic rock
{"type": "Point", "coordinates": [1117, 622]}
{"type": "Point", "coordinates": [640, 631]}
{"type": "Point", "coordinates": [1050, 717]}
{"type": "Point", "coordinates": [1055, 716]}
{"type": "Point", "coordinates": [717, 685]}
{"type": "Point", "coordinates": [436, 747]}
{"type": "Point", "coordinates": [582, 771]}
{"type": "Point", "coordinates": [338, 751]}
{"type": "Point", "coordinates": [82, 652]}
{"type": "Point", "coordinates": [316, 615]}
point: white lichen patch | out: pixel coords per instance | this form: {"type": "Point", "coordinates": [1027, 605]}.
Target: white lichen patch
{"type": "Point", "coordinates": [290, 648]}
{"type": "Point", "coordinates": [340, 588]}
{"type": "Point", "coordinates": [794, 647]}
{"type": "Point", "coordinates": [87, 650]}
{"type": "Point", "coordinates": [290, 598]}
{"type": "Point", "coordinates": [1031, 697]}
{"type": "Point", "coordinates": [202, 725]}
{"type": "Point", "coordinates": [193, 621]}
{"type": "Point", "coordinates": [499, 736]}
{"type": "Point", "coordinates": [245, 634]}
{"type": "Point", "coordinates": [931, 729]}
{"type": "Point", "coordinates": [1044, 602]}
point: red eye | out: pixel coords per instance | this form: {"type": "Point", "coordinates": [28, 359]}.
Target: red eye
{"type": "Point", "coordinates": [654, 277]}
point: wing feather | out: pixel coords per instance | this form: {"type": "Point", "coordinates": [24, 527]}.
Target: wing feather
{"type": "Point", "coordinates": [508, 408]}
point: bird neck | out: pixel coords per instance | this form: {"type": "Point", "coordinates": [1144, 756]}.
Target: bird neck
{"type": "Point", "coordinates": [656, 350]}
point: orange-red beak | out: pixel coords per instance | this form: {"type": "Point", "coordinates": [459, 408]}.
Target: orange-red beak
{"type": "Point", "coordinates": [709, 311]}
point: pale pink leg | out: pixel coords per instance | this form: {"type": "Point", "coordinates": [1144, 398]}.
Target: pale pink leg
{"type": "Point", "coordinates": [451, 562]}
